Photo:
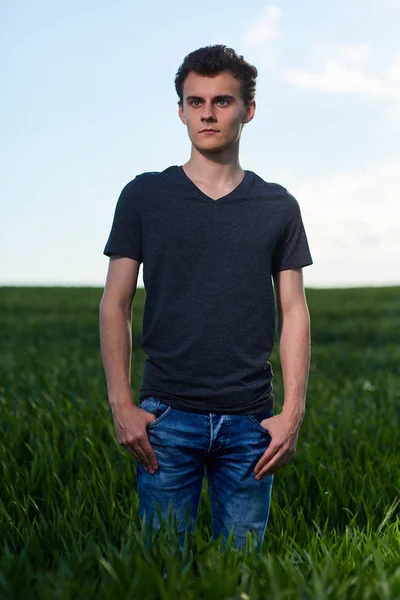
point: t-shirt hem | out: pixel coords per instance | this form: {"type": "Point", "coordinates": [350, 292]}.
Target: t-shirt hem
{"type": "Point", "coordinates": [123, 251]}
{"type": "Point", "coordinates": [267, 403]}
{"type": "Point", "coordinates": [292, 266]}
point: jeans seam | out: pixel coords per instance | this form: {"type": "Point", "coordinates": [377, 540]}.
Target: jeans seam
{"type": "Point", "coordinates": [253, 420]}
{"type": "Point", "coordinates": [211, 503]}
{"type": "Point", "coordinates": [156, 421]}
{"type": "Point", "coordinates": [211, 433]}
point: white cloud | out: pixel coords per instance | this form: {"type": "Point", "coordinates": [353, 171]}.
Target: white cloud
{"type": "Point", "coordinates": [393, 72]}
{"type": "Point", "coordinates": [264, 28]}
{"type": "Point", "coordinates": [353, 215]}
{"type": "Point", "coordinates": [258, 36]}
{"type": "Point", "coordinates": [356, 53]}
{"type": "Point", "coordinates": [394, 4]}
{"type": "Point", "coordinates": [336, 77]}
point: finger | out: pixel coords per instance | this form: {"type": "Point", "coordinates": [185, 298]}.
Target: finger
{"type": "Point", "coordinates": [147, 449]}
{"type": "Point", "coordinates": [267, 462]}
{"type": "Point", "coordinates": [264, 423]}
{"type": "Point", "coordinates": [266, 457]}
{"type": "Point", "coordinates": [136, 448]}
{"type": "Point", "coordinates": [274, 465]}
{"type": "Point", "coordinates": [269, 473]}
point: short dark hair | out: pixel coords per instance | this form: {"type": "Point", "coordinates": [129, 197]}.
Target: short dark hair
{"type": "Point", "coordinates": [212, 60]}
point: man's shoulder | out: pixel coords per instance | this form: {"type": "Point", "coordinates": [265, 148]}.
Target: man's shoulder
{"type": "Point", "coordinates": [269, 186]}
{"type": "Point", "coordinates": [150, 177]}
{"type": "Point", "coordinates": [273, 191]}
{"type": "Point", "coordinates": [141, 182]}
{"type": "Point", "coordinates": [285, 202]}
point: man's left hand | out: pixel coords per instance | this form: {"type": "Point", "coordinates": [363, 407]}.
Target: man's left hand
{"type": "Point", "coordinates": [284, 431]}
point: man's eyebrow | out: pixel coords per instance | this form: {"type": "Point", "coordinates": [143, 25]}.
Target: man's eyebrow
{"type": "Point", "coordinates": [221, 96]}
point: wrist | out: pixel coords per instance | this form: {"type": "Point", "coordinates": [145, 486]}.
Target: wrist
{"type": "Point", "coordinates": [117, 402]}
{"type": "Point", "coordinates": [294, 412]}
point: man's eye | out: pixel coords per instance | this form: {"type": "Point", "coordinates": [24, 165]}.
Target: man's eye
{"type": "Point", "coordinates": [192, 102]}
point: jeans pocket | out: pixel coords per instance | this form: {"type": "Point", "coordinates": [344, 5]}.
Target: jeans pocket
{"type": "Point", "coordinates": [157, 408]}
{"type": "Point", "coordinates": [257, 418]}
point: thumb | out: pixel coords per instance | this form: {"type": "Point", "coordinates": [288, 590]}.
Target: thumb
{"type": "Point", "coordinates": [151, 417]}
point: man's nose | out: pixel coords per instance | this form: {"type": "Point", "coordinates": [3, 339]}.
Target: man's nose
{"type": "Point", "coordinates": [208, 111]}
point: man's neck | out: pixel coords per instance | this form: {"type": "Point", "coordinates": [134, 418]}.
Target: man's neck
{"type": "Point", "coordinates": [213, 173]}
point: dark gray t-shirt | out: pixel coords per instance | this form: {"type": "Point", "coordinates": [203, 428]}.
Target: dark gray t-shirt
{"type": "Point", "coordinates": [208, 323]}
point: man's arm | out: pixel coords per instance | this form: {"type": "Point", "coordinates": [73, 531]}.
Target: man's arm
{"type": "Point", "coordinates": [294, 349]}
{"type": "Point", "coordinates": [116, 349]}
{"type": "Point", "coordinates": [115, 328]}
{"type": "Point", "coordinates": [294, 339]}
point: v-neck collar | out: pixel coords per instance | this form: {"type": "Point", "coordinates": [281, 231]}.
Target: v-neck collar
{"type": "Point", "coordinates": [239, 189]}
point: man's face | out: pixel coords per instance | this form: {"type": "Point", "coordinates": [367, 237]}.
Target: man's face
{"type": "Point", "coordinates": [214, 103]}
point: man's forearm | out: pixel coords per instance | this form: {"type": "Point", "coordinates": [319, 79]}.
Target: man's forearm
{"type": "Point", "coordinates": [294, 350]}
{"type": "Point", "coordinates": [116, 350]}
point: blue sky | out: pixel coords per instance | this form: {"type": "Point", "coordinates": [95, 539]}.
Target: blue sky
{"type": "Point", "coordinates": [88, 101]}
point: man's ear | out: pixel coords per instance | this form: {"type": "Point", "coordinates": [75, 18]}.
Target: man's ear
{"type": "Point", "coordinates": [181, 114]}
{"type": "Point", "coordinates": [250, 112]}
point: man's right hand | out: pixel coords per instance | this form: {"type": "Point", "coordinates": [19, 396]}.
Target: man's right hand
{"type": "Point", "coordinates": [130, 424]}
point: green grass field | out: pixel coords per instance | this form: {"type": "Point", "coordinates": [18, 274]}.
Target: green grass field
{"type": "Point", "coordinates": [69, 526]}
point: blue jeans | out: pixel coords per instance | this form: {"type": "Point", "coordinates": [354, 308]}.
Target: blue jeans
{"type": "Point", "coordinates": [227, 447]}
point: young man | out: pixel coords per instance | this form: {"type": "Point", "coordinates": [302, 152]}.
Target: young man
{"type": "Point", "coordinates": [211, 236]}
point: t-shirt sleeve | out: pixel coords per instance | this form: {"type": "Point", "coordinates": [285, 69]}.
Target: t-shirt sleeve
{"type": "Point", "coordinates": [292, 250]}
{"type": "Point", "coordinates": [125, 236]}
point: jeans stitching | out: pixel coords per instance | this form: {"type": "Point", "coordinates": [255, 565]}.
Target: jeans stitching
{"type": "Point", "coordinates": [154, 423]}
{"type": "Point", "coordinates": [211, 504]}
{"type": "Point", "coordinates": [211, 433]}
{"type": "Point", "coordinates": [166, 412]}
{"type": "Point", "coordinates": [253, 420]}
